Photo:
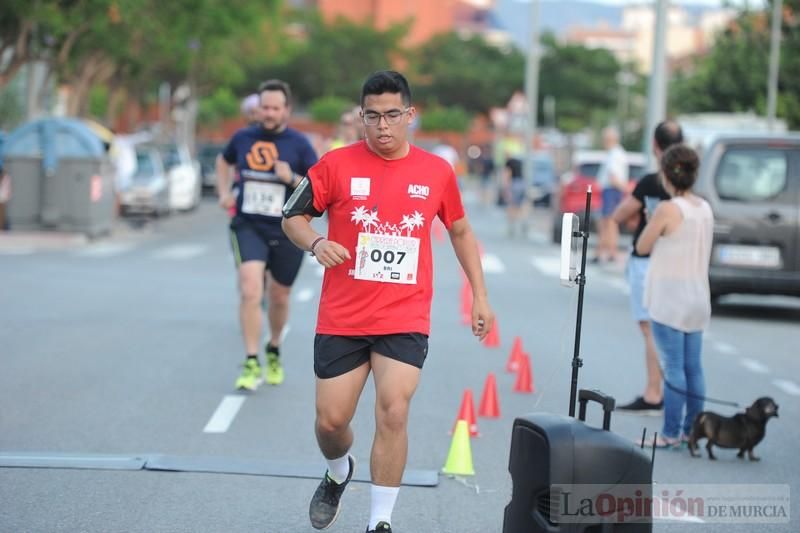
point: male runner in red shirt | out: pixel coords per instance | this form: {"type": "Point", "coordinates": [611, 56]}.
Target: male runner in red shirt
{"type": "Point", "coordinates": [381, 196]}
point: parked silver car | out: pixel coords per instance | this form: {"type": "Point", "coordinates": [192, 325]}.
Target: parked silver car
{"type": "Point", "coordinates": [148, 190]}
{"type": "Point", "coordinates": [753, 186]}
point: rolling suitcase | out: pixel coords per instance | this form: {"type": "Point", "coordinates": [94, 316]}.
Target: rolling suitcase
{"type": "Point", "coordinates": [568, 476]}
{"type": "Point", "coordinates": [557, 462]}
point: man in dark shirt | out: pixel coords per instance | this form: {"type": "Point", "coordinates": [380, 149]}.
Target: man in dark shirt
{"type": "Point", "coordinates": [641, 203]}
{"type": "Point", "coordinates": [270, 160]}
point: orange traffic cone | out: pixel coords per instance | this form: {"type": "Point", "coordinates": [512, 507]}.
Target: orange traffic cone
{"type": "Point", "coordinates": [524, 380]}
{"type": "Point", "coordinates": [466, 303]}
{"type": "Point", "coordinates": [467, 413]}
{"type": "Point", "coordinates": [512, 365]}
{"type": "Point", "coordinates": [490, 405]}
{"type": "Point", "coordinates": [492, 340]}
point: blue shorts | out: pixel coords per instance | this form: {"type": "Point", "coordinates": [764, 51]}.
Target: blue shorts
{"type": "Point", "coordinates": [270, 245]}
{"type": "Point", "coordinates": [635, 273]}
{"type": "Point", "coordinates": [518, 193]}
{"type": "Point", "coordinates": [611, 199]}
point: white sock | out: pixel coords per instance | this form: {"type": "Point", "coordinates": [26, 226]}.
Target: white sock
{"type": "Point", "coordinates": [339, 469]}
{"type": "Point", "coordinates": [381, 504]}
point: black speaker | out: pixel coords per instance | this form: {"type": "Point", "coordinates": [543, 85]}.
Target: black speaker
{"type": "Point", "coordinates": [550, 450]}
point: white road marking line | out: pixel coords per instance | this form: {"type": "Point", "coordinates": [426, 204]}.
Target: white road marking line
{"type": "Point", "coordinates": [724, 347]}
{"type": "Point", "coordinates": [492, 264]}
{"type": "Point", "coordinates": [105, 250]}
{"type": "Point", "coordinates": [789, 387]}
{"type": "Point", "coordinates": [223, 417]}
{"type": "Point", "coordinates": [305, 295]}
{"type": "Point", "coordinates": [180, 251]}
{"type": "Point", "coordinates": [753, 366]}
{"type": "Point", "coordinates": [549, 266]}
{"type": "Point", "coordinates": [284, 332]}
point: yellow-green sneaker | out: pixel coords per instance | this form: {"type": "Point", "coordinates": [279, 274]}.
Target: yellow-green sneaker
{"type": "Point", "coordinates": [273, 373]}
{"type": "Point", "coordinates": [250, 378]}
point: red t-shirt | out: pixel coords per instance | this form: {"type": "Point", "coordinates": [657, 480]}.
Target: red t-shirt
{"type": "Point", "coordinates": [364, 193]}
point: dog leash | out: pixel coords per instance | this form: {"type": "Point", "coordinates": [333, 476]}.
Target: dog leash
{"type": "Point", "coordinates": [694, 396]}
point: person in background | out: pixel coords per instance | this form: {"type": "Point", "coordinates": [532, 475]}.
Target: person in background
{"type": "Point", "coordinates": [638, 207]}
{"type": "Point", "coordinates": [613, 181]}
{"type": "Point", "coordinates": [251, 109]}
{"type": "Point", "coordinates": [516, 194]}
{"type": "Point", "coordinates": [677, 296]}
{"type": "Point", "coordinates": [269, 159]}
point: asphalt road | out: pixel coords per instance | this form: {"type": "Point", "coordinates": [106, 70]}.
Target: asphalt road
{"type": "Point", "coordinates": [127, 346]}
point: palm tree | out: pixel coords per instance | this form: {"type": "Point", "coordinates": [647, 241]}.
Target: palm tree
{"type": "Point", "coordinates": [407, 224]}
{"type": "Point", "coordinates": [417, 219]}
{"type": "Point", "coordinates": [359, 214]}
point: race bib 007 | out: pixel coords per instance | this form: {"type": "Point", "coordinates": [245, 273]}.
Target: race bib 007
{"type": "Point", "coordinates": [263, 198]}
{"type": "Point", "coordinates": [387, 258]}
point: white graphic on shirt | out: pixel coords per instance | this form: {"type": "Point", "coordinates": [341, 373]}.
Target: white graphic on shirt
{"type": "Point", "coordinates": [371, 222]}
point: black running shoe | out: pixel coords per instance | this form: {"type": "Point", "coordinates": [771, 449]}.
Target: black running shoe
{"type": "Point", "coordinates": [324, 507]}
{"type": "Point", "coordinates": [641, 407]}
{"type": "Point", "coordinates": [382, 527]}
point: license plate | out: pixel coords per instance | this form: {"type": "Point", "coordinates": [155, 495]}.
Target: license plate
{"type": "Point", "coordinates": [748, 256]}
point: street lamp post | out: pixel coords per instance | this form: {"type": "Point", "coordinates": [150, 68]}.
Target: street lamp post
{"type": "Point", "coordinates": [774, 62]}
{"type": "Point", "coordinates": [531, 91]}
{"type": "Point", "coordinates": [657, 88]}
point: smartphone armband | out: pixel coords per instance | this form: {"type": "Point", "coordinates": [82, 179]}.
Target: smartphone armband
{"type": "Point", "coordinates": [301, 202]}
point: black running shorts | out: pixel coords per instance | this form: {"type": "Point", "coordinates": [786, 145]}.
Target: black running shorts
{"type": "Point", "coordinates": [256, 242]}
{"type": "Point", "coordinates": [335, 355]}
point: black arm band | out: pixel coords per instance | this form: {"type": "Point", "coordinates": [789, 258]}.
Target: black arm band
{"type": "Point", "coordinates": [301, 202]}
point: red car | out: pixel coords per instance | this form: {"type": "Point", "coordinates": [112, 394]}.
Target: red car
{"type": "Point", "coordinates": [571, 196]}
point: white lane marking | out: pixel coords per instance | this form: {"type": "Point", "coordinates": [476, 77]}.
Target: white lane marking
{"type": "Point", "coordinates": [305, 295]}
{"type": "Point", "coordinates": [285, 331]}
{"type": "Point", "coordinates": [180, 252]}
{"type": "Point", "coordinates": [549, 266]}
{"type": "Point", "coordinates": [724, 347]}
{"type": "Point", "coordinates": [105, 250]}
{"type": "Point", "coordinates": [789, 387]}
{"type": "Point", "coordinates": [753, 366]}
{"type": "Point", "coordinates": [492, 264]}
{"type": "Point", "coordinates": [223, 417]}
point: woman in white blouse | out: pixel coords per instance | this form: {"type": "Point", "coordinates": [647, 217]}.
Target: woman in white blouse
{"type": "Point", "coordinates": [678, 238]}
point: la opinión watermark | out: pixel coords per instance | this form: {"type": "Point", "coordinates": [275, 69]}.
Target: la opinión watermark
{"type": "Point", "coordinates": [698, 503]}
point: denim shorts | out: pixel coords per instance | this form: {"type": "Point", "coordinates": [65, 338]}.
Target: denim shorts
{"type": "Point", "coordinates": [611, 199]}
{"type": "Point", "coordinates": [635, 273]}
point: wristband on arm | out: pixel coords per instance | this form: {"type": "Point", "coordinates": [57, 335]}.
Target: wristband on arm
{"type": "Point", "coordinates": [313, 244]}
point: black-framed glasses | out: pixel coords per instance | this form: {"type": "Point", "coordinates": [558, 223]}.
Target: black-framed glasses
{"type": "Point", "coordinates": [393, 117]}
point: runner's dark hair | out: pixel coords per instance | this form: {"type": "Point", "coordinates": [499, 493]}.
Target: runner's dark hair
{"type": "Point", "coordinates": [386, 81]}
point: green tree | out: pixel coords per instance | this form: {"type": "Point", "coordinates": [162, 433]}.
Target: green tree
{"type": "Point", "coordinates": [439, 118]}
{"type": "Point", "coordinates": [469, 73]}
{"type": "Point", "coordinates": [583, 82]}
{"type": "Point", "coordinates": [733, 76]}
{"type": "Point", "coordinates": [329, 109]}
{"type": "Point", "coordinates": [334, 58]}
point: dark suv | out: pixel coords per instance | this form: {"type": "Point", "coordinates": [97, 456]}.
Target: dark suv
{"type": "Point", "coordinates": [753, 186]}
